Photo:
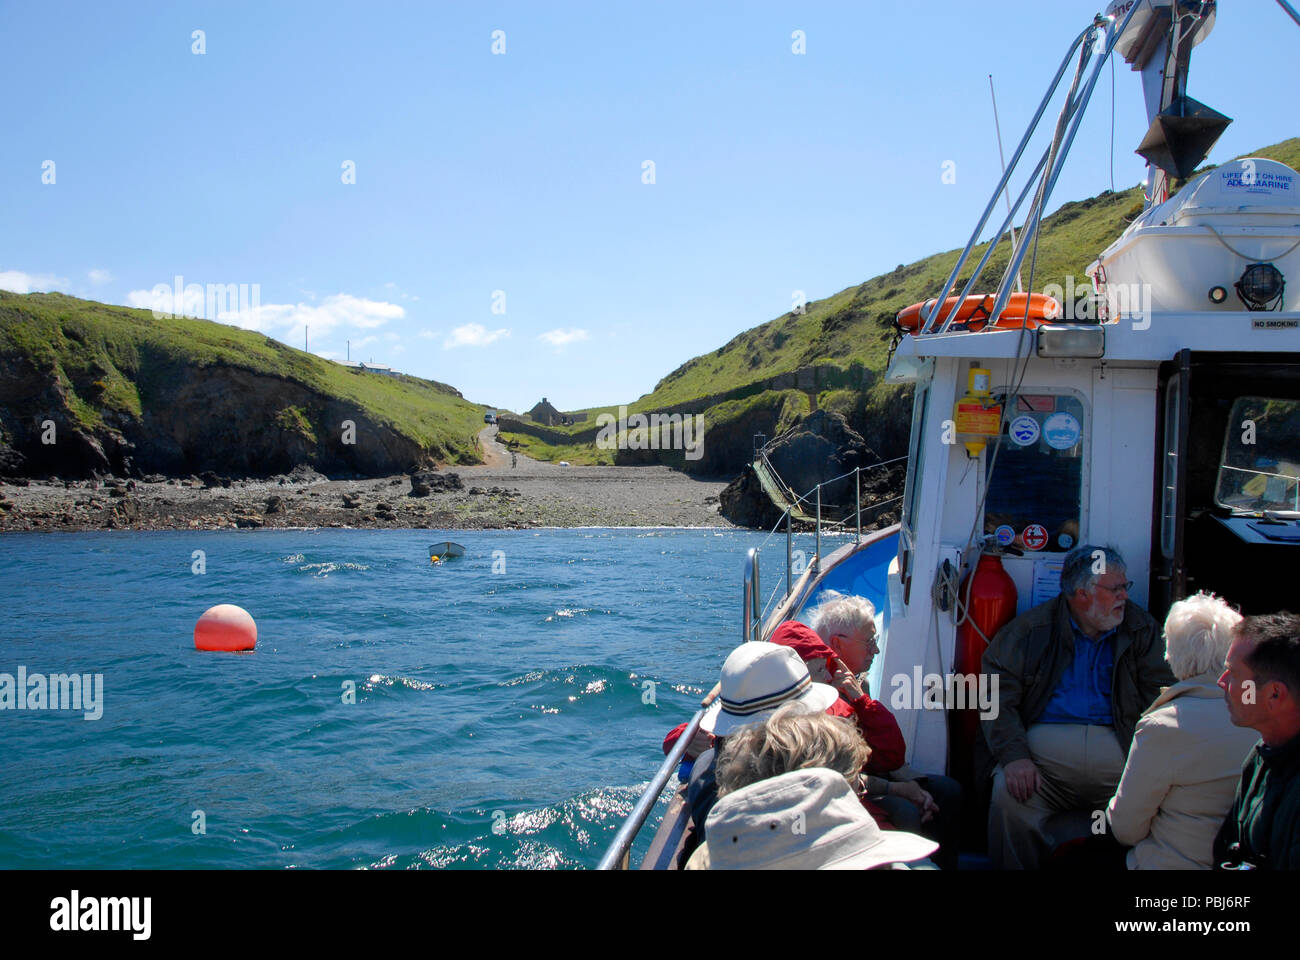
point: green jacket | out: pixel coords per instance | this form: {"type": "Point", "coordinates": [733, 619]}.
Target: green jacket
{"type": "Point", "coordinates": [1029, 655]}
{"type": "Point", "coordinates": [1265, 814]}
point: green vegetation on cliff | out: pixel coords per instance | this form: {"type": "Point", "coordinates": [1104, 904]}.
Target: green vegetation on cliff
{"type": "Point", "coordinates": [111, 369]}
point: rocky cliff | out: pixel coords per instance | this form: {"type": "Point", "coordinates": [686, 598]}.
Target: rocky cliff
{"type": "Point", "coordinates": [89, 389]}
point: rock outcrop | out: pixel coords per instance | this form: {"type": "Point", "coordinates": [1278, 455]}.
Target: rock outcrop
{"type": "Point", "coordinates": [821, 448]}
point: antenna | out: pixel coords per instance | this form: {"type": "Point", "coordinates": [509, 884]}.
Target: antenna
{"type": "Point", "coordinates": [1020, 287]}
{"type": "Point", "coordinates": [1290, 11]}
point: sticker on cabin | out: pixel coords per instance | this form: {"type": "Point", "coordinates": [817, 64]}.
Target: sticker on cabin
{"type": "Point", "coordinates": [1065, 540]}
{"type": "Point", "coordinates": [1004, 534]}
{"type": "Point", "coordinates": [1251, 181]}
{"type": "Point", "coordinates": [1025, 431]}
{"type": "Point", "coordinates": [1061, 430]}
{"type": "Point", "coordinates": [1047, 580]}
{"type": "Point", "coordinates": [1034, 536]}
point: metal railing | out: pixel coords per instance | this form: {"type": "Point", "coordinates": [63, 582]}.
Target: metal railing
{"type": "Point", "coordinates": [750, 613]}
{"type": "Point", "coordinates": [1045, 173]}
{"type": "Point", "coordinates": [620, 849]}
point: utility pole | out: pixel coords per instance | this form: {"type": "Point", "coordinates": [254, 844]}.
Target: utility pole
{"type": "Point", "coordinates": [304, 339]}
{"type": "Point", "coordinates": [349, 351]}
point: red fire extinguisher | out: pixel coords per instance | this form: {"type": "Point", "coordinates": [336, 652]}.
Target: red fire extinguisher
{"type": "Point", "coordinates": [989, 595]}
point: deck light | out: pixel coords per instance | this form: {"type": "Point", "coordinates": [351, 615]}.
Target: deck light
{"type": "Point", "coordinates": [1080, 340]}
{"type": "Point", "coordinates": [1218, 294]}
{"type": "Point", "coordinates": [1261, 287]}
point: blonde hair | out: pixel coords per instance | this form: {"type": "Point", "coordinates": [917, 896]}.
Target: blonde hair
{"type": "Point", "coordinates": [790, 741]}
{"type": "Point", "coordinates": [1198, 632]}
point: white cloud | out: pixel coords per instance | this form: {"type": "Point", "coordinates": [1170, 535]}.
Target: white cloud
{"type": "Point", "coordinates": [284, 319]}
{"type": "Point", "coordinates": [561, 338]}
{"type": "Point", "coordinates": [364, 342]}
{"type": "Point", "coordinates": [18, 282]}
{"type": "Point", "coordinates": [328, 354]}
{"type": "Point", "coordinates": [392, 337]}
{"type": "Point", "coordinates": [98, 276]}
{"type": "Point", "coordinates": [473, 335]}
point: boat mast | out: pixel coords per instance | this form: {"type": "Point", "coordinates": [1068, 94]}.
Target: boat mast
{"type": "Point", "coordinates": [1181, 130]}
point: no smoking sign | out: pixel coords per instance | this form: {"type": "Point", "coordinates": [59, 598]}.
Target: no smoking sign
{"type": "Point", "coordinates": [1034, 536]}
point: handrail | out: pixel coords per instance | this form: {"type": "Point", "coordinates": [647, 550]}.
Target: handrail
{"type": "Point", "coordinates": [619, 852]}
{"type": "Point", "coordinates": [928, 321]}
{"type": "Point", "coordinates": [1053, 159]}
{"type": "Point", "coordinates": [1056, 165]}
{"type": "Point", "coordinates": [749, 614]}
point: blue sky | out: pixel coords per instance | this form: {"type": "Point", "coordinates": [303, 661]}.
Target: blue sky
{"type": "Point", "coordinates": [522, 172]}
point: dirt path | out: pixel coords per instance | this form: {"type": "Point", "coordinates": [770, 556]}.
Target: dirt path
{"type": "Point", "coordinates": [494, 451]}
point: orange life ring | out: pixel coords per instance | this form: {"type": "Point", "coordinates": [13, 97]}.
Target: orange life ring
{"type": "Point", "coordinates": [974, 313]}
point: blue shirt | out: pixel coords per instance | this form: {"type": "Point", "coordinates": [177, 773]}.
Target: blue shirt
{"type": "Point", "coordinates": [1083, 694]}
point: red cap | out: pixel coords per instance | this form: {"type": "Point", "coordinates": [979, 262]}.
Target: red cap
{"type": "Point", "coordinates": [802, 639]}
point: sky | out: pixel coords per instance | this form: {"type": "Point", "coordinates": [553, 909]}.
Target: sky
{"type": "Point", "coordinates": [562, 200]}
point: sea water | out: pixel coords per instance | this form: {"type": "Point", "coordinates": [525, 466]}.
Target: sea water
{"type": "Point", "coordinates": [503, 709]}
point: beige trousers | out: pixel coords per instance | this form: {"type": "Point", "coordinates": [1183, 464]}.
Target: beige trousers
{"type": "Point", "coordinates": [1079, 766]}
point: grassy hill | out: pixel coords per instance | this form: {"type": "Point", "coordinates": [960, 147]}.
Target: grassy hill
{"type": "Point", "coordinates": [179, 394]}
{"type": "Point", "coordinates": [841, 343]}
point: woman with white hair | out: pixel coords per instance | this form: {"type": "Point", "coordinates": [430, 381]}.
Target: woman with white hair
{"type": "Point", "coordinates": [1186, 758]}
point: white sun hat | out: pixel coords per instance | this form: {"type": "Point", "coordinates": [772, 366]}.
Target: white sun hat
{"type": "Point", "coordinates": [758, 677]}
{"type": "Point", "coordinates": [803, 820]}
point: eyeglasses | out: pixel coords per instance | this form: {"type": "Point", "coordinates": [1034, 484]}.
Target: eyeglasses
{"type": "Point", "coordinates": [866, 641]}
{"type": "Point", "coordinates": [1126, 586]}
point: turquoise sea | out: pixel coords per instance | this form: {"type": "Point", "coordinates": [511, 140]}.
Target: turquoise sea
{"type": "Point", "coordinates": [502, 714]}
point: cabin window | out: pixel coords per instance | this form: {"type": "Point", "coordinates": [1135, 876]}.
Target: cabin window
{"type": "Point", "coordinates": [1260, 468]}
{"type": "Point", "coordinates": [1035, 488]}
{"type": "Point", "coordinates": [916, 461]}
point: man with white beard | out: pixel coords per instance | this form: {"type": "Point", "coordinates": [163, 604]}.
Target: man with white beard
{"type": "Point", "coordinates": [1075, 673]}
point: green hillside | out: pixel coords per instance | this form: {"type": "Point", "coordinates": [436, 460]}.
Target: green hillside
{"type": "Point", "coordinates": [845, 338]}
{"type": "Point", "coordinates": [118, 371]}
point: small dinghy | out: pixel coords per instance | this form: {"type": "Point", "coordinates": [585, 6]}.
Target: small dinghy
{"type": "Point", "coordinates": [441, 551]}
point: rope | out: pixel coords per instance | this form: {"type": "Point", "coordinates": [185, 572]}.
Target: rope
{"type": "Point", "coordinates": [1218, 236]}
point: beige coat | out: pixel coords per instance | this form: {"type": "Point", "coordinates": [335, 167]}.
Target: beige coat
{"type": "Point", "coordinates": [1180, 778]}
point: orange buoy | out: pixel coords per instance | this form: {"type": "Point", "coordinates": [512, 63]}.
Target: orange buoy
{"type": "Point", "coordinates": [225, 627]}
{"type": "Point", "coordinates": [974, 313]}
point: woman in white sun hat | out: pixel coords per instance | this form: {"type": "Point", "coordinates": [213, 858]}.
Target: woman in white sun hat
{"type": "Point", "coordinates": [757, 678]}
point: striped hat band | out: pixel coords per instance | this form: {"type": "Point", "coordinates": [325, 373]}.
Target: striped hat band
{"type": "Point", "coordinates": [745, 708]}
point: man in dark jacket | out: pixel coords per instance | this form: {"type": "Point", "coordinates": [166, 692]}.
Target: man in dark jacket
{"type": "Point", "coordinates": [1261, 686]}
{"type": "Point", "coordinates": [1074, 674]}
